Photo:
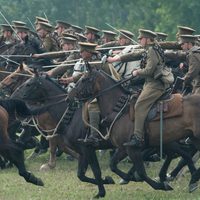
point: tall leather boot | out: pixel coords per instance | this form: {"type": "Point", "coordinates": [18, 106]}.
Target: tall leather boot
{"type": "Point", "coordinates": [94, 117]}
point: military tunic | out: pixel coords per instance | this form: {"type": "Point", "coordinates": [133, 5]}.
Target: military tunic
{"type": "Point", "coordinates": [193, 74]}
{"type": "Point", "coordinates": [152, 89]}
{"type": "Point", "coordinates": [60, 70]}
{"type": "Point", "coordinates": [49, 44]}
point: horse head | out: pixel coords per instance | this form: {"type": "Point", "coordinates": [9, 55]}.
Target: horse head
{"type": "Point", "coordinates": [40, 89]}
{"type": "Point", "coordinates": [33, 90]}
{"type": "Point", "coordinates": [88, 86]}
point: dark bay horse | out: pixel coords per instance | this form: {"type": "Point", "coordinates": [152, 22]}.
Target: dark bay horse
{"type": "Point", "coordinates": [42, 90]}
{"type": "Point", "coordinates": [8, 149]}
{"type": "Point", "coordinates": [96, 84]}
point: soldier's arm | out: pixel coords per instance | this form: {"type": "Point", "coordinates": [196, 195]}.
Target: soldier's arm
{"type": "Point", "coordinates": [47, 44]}
{"type": "Point", "coordinates": [194, 68]}
{"type": "Point", "coordinates": [152, 62]}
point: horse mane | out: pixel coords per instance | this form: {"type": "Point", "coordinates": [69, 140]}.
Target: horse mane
{"type": "Point", "coordinates": [55, 83]}
{"type": "Point", "coordinates": [115, 81]}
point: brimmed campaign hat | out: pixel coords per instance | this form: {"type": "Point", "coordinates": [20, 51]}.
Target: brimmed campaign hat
{"type": "Point", "coordinates": [108, 34]}
{"type": "Point", "coordinates": [68, 40]}
{"type": "Point", "coordinates": [161, 36]}
{"type": "Point", "coordinates": [89, 47]}
{"type": "Point", "coordinates": [6, 27]}
{"type": "Point", "coordinates": [18, 23]}
{"type": "Point", "coordinates": [44, 25]}
{"type": "Point", "coordinates": [60, 23]}
{"type": "Point", "coordinates": [184, 30]}
{"type": "Point", "coordinates": [144, 33]}
{"type": "Point", "coordinates": [123, 33]}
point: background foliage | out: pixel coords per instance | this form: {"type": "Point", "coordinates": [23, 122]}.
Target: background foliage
{"type": "Point", "coordinates": [158, 15]}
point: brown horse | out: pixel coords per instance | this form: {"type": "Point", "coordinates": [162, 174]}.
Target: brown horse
{"type": "Point", "coordinates": [8, 149]}
{"type": "Point", "coordinates": [95, 84]}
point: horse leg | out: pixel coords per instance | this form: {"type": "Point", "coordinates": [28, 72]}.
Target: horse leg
{"type": "Point", "coordinates": [88, 156]}
{"type": "Point", "coordinates": [16, 156]}
{"type": "Point", "coordinates": [136, 156]}
{"type": "Point", "coordinates": [164, 168]}
{"type": "Point", "coordinates": [52, 159]}
{"type": "Point", "coordinates": [182, 163]}
{"type": "Point", "coordinates": [118, 156]}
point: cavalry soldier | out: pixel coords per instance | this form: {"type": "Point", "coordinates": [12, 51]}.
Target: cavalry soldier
{"type": "Point", "coordinates": [22, 32]}
{"type": "Point", "coordinates": [108, 36]}
{"type": "Point", "coordinates": [193, 61]}
{"type": "Point", "coordinates": [7, 35]}
{"type": "Point", "coordinates": [44, 30]}
{"type": "Point", "coordinates": [91, 34]}
{"type": "Point", "coordinates": [124, 39]}
{"type": "Point", "coordinates": [40, 19]}
{"type": "Point", "coordinates": [61, 26]}
{"type": "Point", "coordinates": [68, 44]}
{"type": "Point", "coordinates": [184, 30]}
{"type": "Point", "coordinates": [88, 53]}
{"type": "Point", "coordinates": [150, 67]}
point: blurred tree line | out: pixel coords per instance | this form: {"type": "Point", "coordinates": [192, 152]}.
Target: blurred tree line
{"type": "Point", "coordinates": [157, 15]}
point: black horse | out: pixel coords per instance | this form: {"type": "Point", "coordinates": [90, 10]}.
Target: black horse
{"type": "Point", "coordinates": [8, 149]}
{"type": "Point", "coordinates": [43, 90]}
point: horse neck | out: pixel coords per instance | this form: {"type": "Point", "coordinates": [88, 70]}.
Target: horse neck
{"type": "Point", "coordinates": [54, 93]}
{"type": "Point", "coordinates": [109, 99]}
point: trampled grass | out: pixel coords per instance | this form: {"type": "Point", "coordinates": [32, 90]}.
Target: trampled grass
{"type": "Point", "coordinates": [63, 184]}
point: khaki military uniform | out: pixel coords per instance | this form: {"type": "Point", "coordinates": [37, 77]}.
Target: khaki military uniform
{"type": "Point", "coordinates": [152, 89]}
{"type": "Point", "coordinates": [60, 70]}
{"type": "Point", "coordinates": [5, 41]}
{"type": "Point", "coordinates": [49, 44]}
{"type": "Point", "coordinates": [193, 74]}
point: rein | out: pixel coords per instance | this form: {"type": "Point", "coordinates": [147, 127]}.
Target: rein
{"type": "Point", "coordinates": [106, 89]}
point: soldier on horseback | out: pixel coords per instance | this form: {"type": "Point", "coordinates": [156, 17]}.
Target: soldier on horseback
{"type": "Point", "coordinates": [150, 69]}
{"type": "Point", "coordinates": [7, 35]}
{"type": "Point", "coordinates": [193, 59]}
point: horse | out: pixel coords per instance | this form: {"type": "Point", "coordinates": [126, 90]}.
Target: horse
{"type": "Point", "coordinates": [43, 90]}
{"type": "Point", "coordinates": [96, 84]}
{"type": "Point", "coordinates": [8, 149]}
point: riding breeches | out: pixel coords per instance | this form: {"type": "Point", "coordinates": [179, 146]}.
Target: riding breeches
{"type": "Point", "coordinates": [143, 105]}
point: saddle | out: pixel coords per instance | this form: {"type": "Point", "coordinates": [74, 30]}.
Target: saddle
{"type": "Point", "coordinates": [171, 107]}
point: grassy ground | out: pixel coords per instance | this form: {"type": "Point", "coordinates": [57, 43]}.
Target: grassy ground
{"type": "Point", "coordinates": [62, 184]}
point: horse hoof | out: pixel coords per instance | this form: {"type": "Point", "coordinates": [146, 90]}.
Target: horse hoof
{"type": "Point", "coordinates": [169, 178]}
{"type": "Point", "coordinates": [40, 182]}
{"type": "Point", "coordinates": [193, 187]}
{"type": "Point", "coordinates": [109, 180]}
{"type": "Point", "coordinates": [99, 196]}
{"type": "Point", "coordinates": [167, 187]}
{"type": "Point", "coordinates": [123, 182]}
{"type": "Point", "coordinates": [46, 167]}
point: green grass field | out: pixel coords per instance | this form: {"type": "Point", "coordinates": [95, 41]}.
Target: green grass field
{"type": "Point", "coordinates": [63, 184]}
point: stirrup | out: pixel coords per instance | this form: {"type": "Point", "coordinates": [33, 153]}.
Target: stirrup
{"type": "Point", "coordinates": [135, 142]}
